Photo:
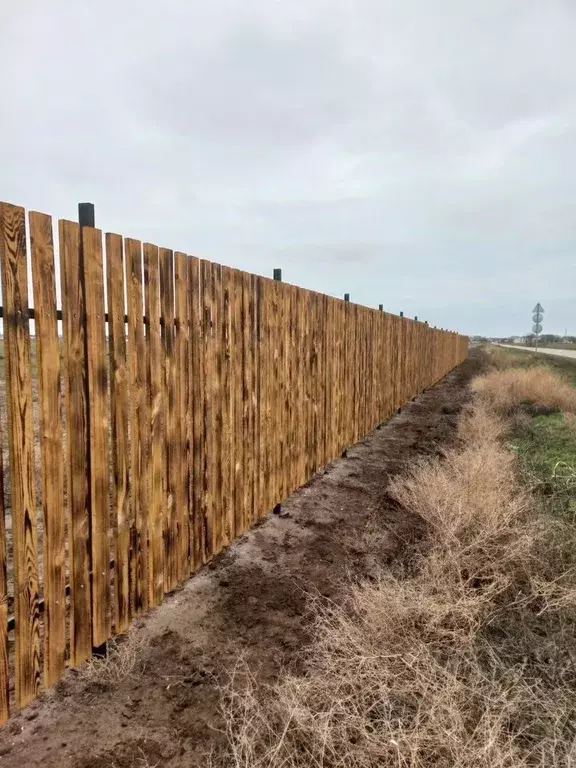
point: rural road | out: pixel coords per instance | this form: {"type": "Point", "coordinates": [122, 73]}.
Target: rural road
{"type": "Point", "coordinates": [557, 352]}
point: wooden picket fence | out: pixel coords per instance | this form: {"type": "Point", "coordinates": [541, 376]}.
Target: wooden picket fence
{"type": "Point", "coordinates": [180, 402]}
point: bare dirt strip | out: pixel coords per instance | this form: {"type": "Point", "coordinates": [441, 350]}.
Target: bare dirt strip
{"type": "Point", "coordinates": [161, 707]}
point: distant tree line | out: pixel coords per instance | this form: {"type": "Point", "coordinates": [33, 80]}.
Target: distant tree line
{"type": "Point", "coordinates": [529, 339]}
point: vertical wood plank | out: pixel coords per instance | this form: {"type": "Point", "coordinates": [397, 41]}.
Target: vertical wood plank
{"type": "Point", "coordinates": [139, 424]}
{"type": "Point", "coordinates": [267, 449]}
{"type": "Point", "coordinates": [227, 509]}
{"type": "Point", "coordinates": [51, 456]}
{"type": "Point", "coordinates": [167, 309]}
{"type": "Point", "coordinates": [4, 664]}
{"type": "Point", "coordinates": [156, 404]}
{"type": "Point", "coordinates": [196, 308]}
{"type": "Point", "coordinates": [182, 379]}
{"type": "Point", "coordinates": [251, 395]}
{"type": "Point", "coordinates": [119, 414]}
{"type": "Point", "coordinates": [261, 387]}
{"type": "Point", "coordinates": [73, 312]}
{"type": "Point", "coordinates": [98, 422]}
{"type": "Point", "coordinates": [13, 267]}
{"type": "Point", "coordinates": [283, 336]}
{"type": "Point", "coordinates": [208, 364]}
{"type": "Point", "coordinates": [239, 453]}
{"type": "Point", "coordinates": [290, 399]}
{"type": "Point", "coordinates": [217, 423]}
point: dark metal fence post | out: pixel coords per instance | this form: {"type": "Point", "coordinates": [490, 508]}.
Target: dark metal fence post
{"type": "Point", "coordinates": [86, 215]}
{"type": "Point", "coordinates": [346, 297]}
{"type": "Point", "coordinates": [278, 275]}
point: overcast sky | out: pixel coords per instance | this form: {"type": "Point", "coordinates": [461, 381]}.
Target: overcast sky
{"type": "Point", "coordinates": [413, 153]}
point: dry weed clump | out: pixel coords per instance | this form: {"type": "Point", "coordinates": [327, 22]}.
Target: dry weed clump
{"type": "Point", "coordinates": [498, 358]}
{"type": "Point", "coordinates": [124, 658]}
{"type": "Point", "coordinates": [508, 390]}
{"type": "Point", "coordinates": [467, 661]}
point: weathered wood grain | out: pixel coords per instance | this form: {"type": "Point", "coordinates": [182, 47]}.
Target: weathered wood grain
{"type": "Point", "coordinates": [227, 500]}
{"type": "Point", "coordinates": [182, 456]}
{"type": "Point", "coordinates": [171, 471]}
{"type": "Point", "coordinates": [240, 494]}
{"type": "Point", "coordinates": [4, 663]}
{"type": "Point", "coordinates": [217, 404]}
{"type": "Point", "coordinates": [196, 309]}
{"type": "Point", "coordinates": [98, 421]}
{"type": "Point", "coordinates": [139, 428]}
{"type": "Point", "coordinates": [156, 403]}
{"type": "Point", "coordinates": [13, 268]}
{"type": "Point", "coordinates": [119, 410]}
{"type": "Point", "coordinates": [73, 314]}
{"type": "Point", "coordinates": [51, 447]}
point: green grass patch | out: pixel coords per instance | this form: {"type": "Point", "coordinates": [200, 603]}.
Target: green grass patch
{"type": "Point", "coordinates": [546, 448]}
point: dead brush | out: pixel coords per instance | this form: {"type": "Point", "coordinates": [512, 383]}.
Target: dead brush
{"type": "Point", "coordinates": [124, 658]}
{"type": "Point", "coordinates": [508, 390]}
{"type": "Point", "coordinates": [467, 662]}
{"type": "Point", "coordinates": [498, 358]}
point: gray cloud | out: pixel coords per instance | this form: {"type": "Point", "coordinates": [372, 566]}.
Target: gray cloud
{"type": "Point", "coordinates": [413, 153]}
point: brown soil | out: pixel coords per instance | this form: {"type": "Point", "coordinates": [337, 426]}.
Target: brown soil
{"type": "Point", "coordinates": [249, 603]}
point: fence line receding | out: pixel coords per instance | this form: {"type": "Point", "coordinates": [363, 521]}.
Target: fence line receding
{"type": "Point", "coordinates": [182, 401]}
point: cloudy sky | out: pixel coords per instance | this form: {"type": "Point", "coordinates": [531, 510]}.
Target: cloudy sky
{"type": "Point", "coordinates": [413, 153]}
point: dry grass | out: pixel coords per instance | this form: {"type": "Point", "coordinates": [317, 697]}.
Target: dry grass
{"type": "Point", "coordinates": [570, 421]}
{"type": "Point", "coordinates": [498, 358]}
{"type": "Point", "coordinates": [466, 661]}
{"type": "Point", "coordinates": [124, 658]}
{"type": "Point", "coordinates": [507, 390]}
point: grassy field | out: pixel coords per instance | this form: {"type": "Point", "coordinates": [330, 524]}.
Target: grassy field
{"type": "Point", "coordinates": [546, 442]}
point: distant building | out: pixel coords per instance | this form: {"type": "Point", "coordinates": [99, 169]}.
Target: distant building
{"type": "Point", "coordinates": [519, 340]}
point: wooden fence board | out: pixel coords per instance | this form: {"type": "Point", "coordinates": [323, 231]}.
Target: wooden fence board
{"type": "Point", "coordinates": [73, 312]}
{"type": "Point", "coordinates": [119, 408]}
{"type": "Point", "coordinates": [208, 397]}
{"type": "Point", "coordinates": [236, 342]}
{"type": "Point", "coordinates": [217, 397]}
{"type": "Point", "coordinates": [4, 663]}
{"type": "Point", "coordinates": [52, 455]}
{"type": "Point", "coordinates": [250, 399]}
{"type": "Point", "coordinates": [13, 267]}
{"type": "Point", "coordinates": [167, 309]}
{"type": "Point", "coordinates": [267, 450]}
{"type": "Point", "coordinates": [182, 402]}
{"type": "Point", "coordinates": [254, 306]}
{"type": "Point", "coordinates": [156, 400]}
{"type": "Point", "coordinates": [196, 308]}
{"type": "Point", "coordinates": [227, 509]}
{"type": "Point", "coordinates": [139, 426]}
{"type": "Point", "coordinates": [98, 432]}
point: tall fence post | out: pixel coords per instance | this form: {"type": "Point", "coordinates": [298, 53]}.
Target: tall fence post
{"type": "Point", "coordinates": [86, 215]}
